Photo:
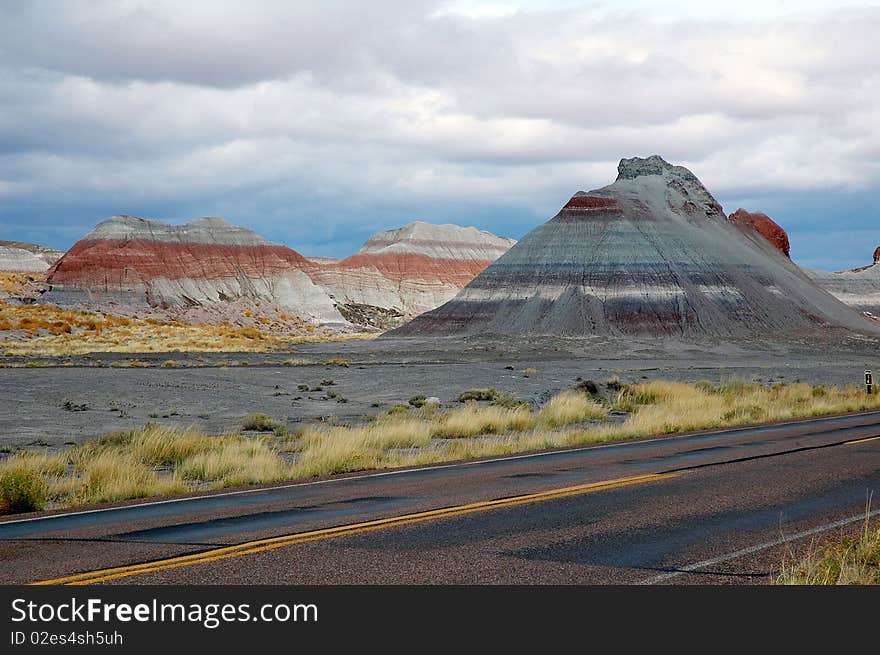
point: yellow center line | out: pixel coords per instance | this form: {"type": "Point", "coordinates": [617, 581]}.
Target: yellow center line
{"type": "Point", "coordinates": [261, 545]}
{"type": "Point", "coordinates": [849, 443]}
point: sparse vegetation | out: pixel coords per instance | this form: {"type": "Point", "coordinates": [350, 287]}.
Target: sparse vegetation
{"type": "Point", "coordinates": [663, 407]}
{"type": "Point", "coordinates": [14, 283]}
{"type": "Point", "coordinates": [160, 460]}
{"type": "Point", "coordinates": [850, 561]}
{"type": "Point", "coordinates": [51, 331]}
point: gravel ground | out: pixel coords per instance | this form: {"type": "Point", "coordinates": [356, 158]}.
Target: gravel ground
{"type": "Point", "coordinates": [71, 400]}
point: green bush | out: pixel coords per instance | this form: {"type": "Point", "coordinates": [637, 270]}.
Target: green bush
{"type": "Point", "coordinates": [418, 401]}
{"type": "Point", "coordinates": [22, 491]}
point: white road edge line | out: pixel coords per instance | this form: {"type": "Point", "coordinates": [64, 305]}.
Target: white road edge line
{"type": "Point", "coordinates": [436, 467]}
{"type": "Point", "coordinates": [754, 549]}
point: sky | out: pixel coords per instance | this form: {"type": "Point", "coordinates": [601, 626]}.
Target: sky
{"type": "Point", "coordinates": [320, 123]}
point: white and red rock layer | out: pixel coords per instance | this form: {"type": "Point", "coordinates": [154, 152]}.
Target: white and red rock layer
{"type": "Point", "coordinates": [17, 256]}
{"type": "Point", "coordinates": [765, 226]}
{"type": "Point", "coordinates": [651, 254]}
{"type": "Point", "coordinates": [133, 261]}
{"type": "Point", "coordinates": [859, 287]}
{"type": "Point", "coordinates": [412, 269]}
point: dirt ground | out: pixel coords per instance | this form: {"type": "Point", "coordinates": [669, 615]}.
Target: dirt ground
{"type": "Point", "coordinates": [57, 402]}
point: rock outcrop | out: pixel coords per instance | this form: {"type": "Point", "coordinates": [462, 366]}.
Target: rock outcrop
{"type": "Point", "coordinates": [651, 254]}
{"type": "Point", "coordinates": [765, 226]}
{"type": "Point", "coordinates": [409, 270]}
{"type": "Point", "coordinates": [134, 261]}
{"type": "Point", "coordinates": [859, 287]}
{"type": "Point", "coordinates": [18, 256]}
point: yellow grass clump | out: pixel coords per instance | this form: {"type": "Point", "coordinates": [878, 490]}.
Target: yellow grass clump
{"type": "Point", "coordinates": [569, 407]}
{"type": "Point", "coordinates": [115, 475]}
{"type": "Point", "coordinates": [234, 462]}
{"type": "Point", "coordinates": [473, 420]}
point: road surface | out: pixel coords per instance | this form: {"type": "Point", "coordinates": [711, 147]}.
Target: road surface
{"type": "Point", "coordinates": [718, 507]}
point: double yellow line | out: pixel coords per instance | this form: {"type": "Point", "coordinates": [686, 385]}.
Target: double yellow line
{"type": "Point", "coordinates": [261, 545]}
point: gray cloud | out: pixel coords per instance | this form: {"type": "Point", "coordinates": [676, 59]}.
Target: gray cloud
{"type": "Point", "coordinates": [318, 122]}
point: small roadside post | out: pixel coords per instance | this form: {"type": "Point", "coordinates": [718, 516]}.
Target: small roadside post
{"type": "Point", "coordinates": [869, 382]}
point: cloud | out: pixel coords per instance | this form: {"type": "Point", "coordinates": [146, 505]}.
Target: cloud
{"type": "Point", "coordinates": [318, 122]}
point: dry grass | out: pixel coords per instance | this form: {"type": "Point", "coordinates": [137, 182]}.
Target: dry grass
{"type": "Point", "coordinates": [113, 475]}
{"type": "Point", "coordinates": [234, 462]}
{"type": "Point", "coordinates": [260, 423]}
{"type": "Point", "coordinates": [15, 283]}
{"type": "Point", "coordinates": [570, 407]}
{"type": "Point", "coordinates": [23, 481]}
{"type": "Point", "coordinates": [851, 561]}
{"type": "Point", "coordinates": [324, 451]}
{"type": "Point", "coordinates": [52, 332]}
{"type": "Point", "coordinates": [473, 420]}
{"type": "Point", "coordinates": [161, 460]}
{"type": "Point", "coordinates": [150, 461]}
{"type": "Point", "coordinates": [666, 407]}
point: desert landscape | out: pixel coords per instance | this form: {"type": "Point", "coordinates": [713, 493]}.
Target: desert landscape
{"type": "Point", "coordinates": [159, 360]}
{"type": "Point", "coordinates": [646, 385]}
{"type": "Point", "coordinates": [646, 279]}
{"type": "Point", "coordinates": [641, 288]}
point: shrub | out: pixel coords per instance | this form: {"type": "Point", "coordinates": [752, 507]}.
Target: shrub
{"type": "Point", "coordinates": [588, 386]}
{"type": "Point", "coordinates": [21, 490]}
{"type": "Point", "coordinates": [478, 394]}
{"type": "Point", "coordinates": [509, 401]}
{"type": "Point", "coordinates": [259, 423]}
{"type": "Point", "coordinates": [418, 401]}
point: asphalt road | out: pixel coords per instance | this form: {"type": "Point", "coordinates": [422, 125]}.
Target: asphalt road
{"type": "Point", "coordinates": [723, 507]}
